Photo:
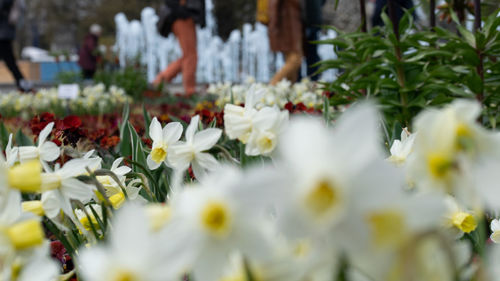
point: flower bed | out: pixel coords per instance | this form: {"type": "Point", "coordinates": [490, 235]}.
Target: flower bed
{"type": "Point", "coordinates": [250, 191]}
{"type": "Point", "coordinates": [305, 93]}
{"type": "Point", "coordinates": [92, 100]}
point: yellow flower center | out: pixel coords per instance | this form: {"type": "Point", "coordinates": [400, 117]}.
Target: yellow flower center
{"type": "Point", "coordinates": [87, 223]}
{"type": "Point", "coordinates": [26, 234]}
{"type": "Point", "coordinates": [159, 215]}
{"type": "Point", "coordinates": [158, 154]}
{"type": "Point", "coordinates": [34, 207]}
{"type": "Point", "coordinates": [16, 268]}
{"type": "Point", "coordinates": [117, 200]}
{"type": "Point", "coordinates": [266, 143]}
{"type": "Point", "coordinates": [302, 249]}
{"type": "Point", "coordinates": [322, 198]}
{"type": "Point", "coordinates": [464, 137]}
{"type": "Point", "coordinates": [216, 219]}
{"type": "Point", "coordinates": [464, 221]}
{"type": "Point", "coordinates": [26, 177]}
{"type": "Point", "coordinates": [388, 227]}
{"type": "Point", "coordinates": [439, 165]}
{"type": "Point", "coordinates": [125, 275]}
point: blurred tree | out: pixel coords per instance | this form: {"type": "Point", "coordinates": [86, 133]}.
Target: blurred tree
{"type": "Point", "coordinates": [62, 24]}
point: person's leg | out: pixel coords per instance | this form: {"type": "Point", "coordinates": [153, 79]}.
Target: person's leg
{"type": "Point", "coordinates": [174, 68]}
{"type": "Point", "coordinates": [311, 50]}
{"type": "Point", "coordinates": [8, 56]}
{"type": "Point", "coordinates": [379, 7]}
{"type": "Point", "coordinates": [190, 56]}
{"type": "Point", "coordinates": [293, 60]}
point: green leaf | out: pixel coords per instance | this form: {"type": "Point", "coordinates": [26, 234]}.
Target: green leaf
{"type": "Point", "coordinates": [4, 136]}
{"type": "Point", "coordinates": [137, 148]}
{"type": "Point", "coordinates": [147, 119]}
{"type": "Point", "coordinates": [125, 141]}
{"type": "Point", "coordinates": [468, 36]}
{"type": "Point", "coordinates": [22, 139]}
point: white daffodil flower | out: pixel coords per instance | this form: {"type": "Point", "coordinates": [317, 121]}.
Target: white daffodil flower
{"type": "Point", "coordinates": [453, 154]}
{"type": "Point", "coordinates": [191, 151]}
{"type": "Point", "coordinates": [131, 254]}
{"type": "Point", "coordinates": [89, 221]}
{"type": "Point", "coordinates": [163, 139]}
{"type": "Point", "coordinates": [448, 140]}
{"type": "Point", "coordinates": [268, 124]}
{"type": "Point", "coordinates": [111, 186]}
{"type": "Point", "coordinates": [495, 230]}
{"type": "Point", "coordinates": [238, 120]}
{"type": "Point", "coordinates": [96, 161]}
{"type": "Point", "coordinates": [319, 168]}
{"type": "Point", "coordinates": [457, 218]}
{"type": "Point", "coordinates": [61, 186]}
{"type": "Point", "coordinates": [213, 219]}
{"type": "Point", "coordinates": [46, 151]}
{"type": "Point", "coordinates": [23, 246]}
{"type": "Point", "coordinates": [401, 149]}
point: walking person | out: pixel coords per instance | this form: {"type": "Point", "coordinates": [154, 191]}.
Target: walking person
{"type": "Point", "coordinates": [313, 19]}
{"type": "Point", "coordinates": [8, 18]}
{"type": "Point", "coordinates": [285, 32]}
{"type": "Point", "coordinates": [186, 14]}
{"type": "Point", "coordinates": [88, 54]}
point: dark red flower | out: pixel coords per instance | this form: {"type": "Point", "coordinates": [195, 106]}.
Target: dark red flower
{"type": "Point", "coordinates": [72, 122]}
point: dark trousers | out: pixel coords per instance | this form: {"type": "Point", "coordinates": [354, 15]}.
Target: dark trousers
{"type": "Point", "coordinates": [311, 53]}
{"type": "Point", "coordinates": [88, 74]}
{"type": "Point", "coordinates": [400, 6]}
{"type": "Point", "coordinates": [7, 55]}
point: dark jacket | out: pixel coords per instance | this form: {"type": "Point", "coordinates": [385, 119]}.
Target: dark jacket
{"type": "Point", "coordinates": [7, 30]}
{"type": "Point", "coordinates": [193, 9]}
{"type": "Point", "coordinates": [87, 55]}
{"type": "Point", "coordinates": [312, 12]}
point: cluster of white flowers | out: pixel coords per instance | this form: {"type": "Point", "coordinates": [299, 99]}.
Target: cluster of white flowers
{"type": "Point", "coordinates": [306, 92]}
{"type": "Point", "coordinates": [258, 129]}
{"type": "Point", "coordinates": [90, 100]}
{"type": "Point", "coordinates": [330, 199]}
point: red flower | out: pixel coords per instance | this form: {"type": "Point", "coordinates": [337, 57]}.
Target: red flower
{"type": "Point", "coordinates": [39, 122]}
{"type": "Point", "coordinates": [72, 122]}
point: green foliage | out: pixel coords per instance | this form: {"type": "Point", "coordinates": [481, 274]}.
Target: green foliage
{"type": "Point", "coordinates": [68, 77]}
{"type": "Point", "coordinates": [422, 68]}
{"type": "Point", "coordinates": [131, 79]}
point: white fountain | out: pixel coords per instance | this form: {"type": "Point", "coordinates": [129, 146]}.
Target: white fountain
{"type": "Point", "coordinates": [245, 54]}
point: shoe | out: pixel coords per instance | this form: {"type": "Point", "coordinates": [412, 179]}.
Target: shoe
{"type": "Point", "coordinates": [25, 86]}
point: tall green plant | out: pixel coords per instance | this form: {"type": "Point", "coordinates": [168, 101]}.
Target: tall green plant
{"type": "Point", "coordinates": [422, 68]}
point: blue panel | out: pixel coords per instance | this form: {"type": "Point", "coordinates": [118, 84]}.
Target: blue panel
{"type": "Point", "coordinates": [49, 70]}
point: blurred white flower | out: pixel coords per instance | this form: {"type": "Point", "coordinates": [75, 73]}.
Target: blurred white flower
{"type": "Point", "coordinates": [211, 220]}
{"type": "Point", "coordinates": [132, 253]}
{"type": "Point", "coordinates": [268, 124]}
